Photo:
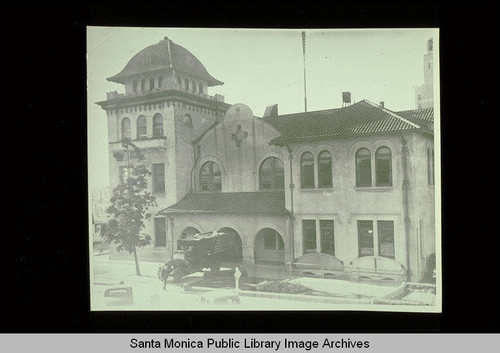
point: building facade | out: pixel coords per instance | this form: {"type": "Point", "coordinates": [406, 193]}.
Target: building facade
{"type": "Point", "coordinates": [424, 94]}
{"type": "Point", "coordinates": [347, 190]}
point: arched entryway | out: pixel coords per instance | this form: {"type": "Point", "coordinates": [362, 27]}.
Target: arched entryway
{"type": "Point", "coordinates": [239, 250]}
{"type": "Point", "coordinates": [189, 231]}
{"type": "Point", "coordinates": [269, 247]}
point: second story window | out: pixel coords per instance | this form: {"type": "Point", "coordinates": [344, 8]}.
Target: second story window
{"type": "Point", "coordinates": [126, 128]}
{"type": "Point", "coordinates": [271, 174]}
{"type": "Point", "coordinates": [325, 170]}
{"type": "Point", "coordinates": [142, 127]}
{"type": "Point", "coordinates": [157, 126]}
{"type": "Point", "coordinates": [200, 88]}
{"type": "Point", "coordinates": [307, 170]}
{"type": "Point", "coordinates": [210, 177]}
{"type": "Point", "coordinates": [383, 167]}
{"type": "Point", "coordinates": [363, 168]}
{"type": "Point", "coordinates": [158, 172]}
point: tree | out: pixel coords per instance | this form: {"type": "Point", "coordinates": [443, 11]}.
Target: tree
{"type": "Point", "coordinates": [130, 202]}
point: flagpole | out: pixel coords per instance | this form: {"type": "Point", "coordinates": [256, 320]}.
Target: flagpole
{"type": "Point", "coordinates": [304, 57]}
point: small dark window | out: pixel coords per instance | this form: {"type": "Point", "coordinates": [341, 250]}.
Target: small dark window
{"type": "Point", "coordinates": [325, 170]}
{"type": "Point", "coordinates": [327, 237]}
{"type": "Point", "coordinates": [309, 235]}
{"type": "Point", "coordinates": [186, 84]}
{"type": "Point", "coordinates": [157, 126]}
{"type": "Point", "coordinates": [363, 168]}
{"type": "Point", "coordinates": [383, 167]}
{"type": "Point", "coordinates": [142, 127]}
{"type": "Point", "coordinates": [200, 88]}
{"type": "Point", "coordinates": [143, 85]}
{"type": "Point", "coordinates": [160, 225]}
{"type": "Point", "coordinates": [271, 174]}
{"type": "Point", "coordinates": [125, 128]}
{"type": "Point", "coordinates": [158, 178]}
{"type": "Point", "coordinates": [307, 170]}
{"type": "Point", "coordinates": [160, 82]}
{"type": "Point", "coordinates": [151, 83]}
{"type": "Point", "coordinates": [179, 81]}
{"type": "Point", "coordinates": [385, 230]}
{"type": "Point", "coordinates": [365, 238]}
{"type": "Point", "coordinates": [194, 86]}
{"type": "Point", "coordinates": [135, 86]}
{"type": "Point", "coordinates": [210, 177]}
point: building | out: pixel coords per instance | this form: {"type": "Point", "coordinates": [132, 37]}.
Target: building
{"type": "Point", "coordinates": [424, 94]}
{"type": "Point", "coordinates": [346, 190]}
{"type": "Point", "coordinates": [99, 202]}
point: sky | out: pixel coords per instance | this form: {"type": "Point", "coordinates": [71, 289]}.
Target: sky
{"type": "Point", "coordinates": [264, 67]}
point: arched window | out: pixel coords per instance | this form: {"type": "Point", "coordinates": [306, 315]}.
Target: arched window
{"type": "Point", "coordinates": [200, 88]}
{"type": "Point", "coordinates": [125, 128]}
{"type": "Point", "coordinates": [158, 126]}
{"type": "Point", "coordinates": [186, 84]}
{"type": "Point", "coordinates": [194, 86]}
{"type": "Point", "coordinates": [383, 167]}
{"type": "Point", "coordinates": [160, 82]}
{"type": "Point", "coordinates": [363, 168]}
{"type": "Point", "coordinates": [135, 86]}
{"type": "Point", "coordinates": [151, 83]}
{"type": "Point", "coordinates": [307, 170]}
{"type": "Point", "coordinates": [271, 174]}
{"type": "Point", "coordinates": [187, 121]}
{"type": "Point", "coordinates": [210, 177]}
{"type": "Point", "coordinates": [142, 127]}
{"type": "Point", "coordinates": [325, 170]}
{"type": "Point", "coordinates": [143, 85]}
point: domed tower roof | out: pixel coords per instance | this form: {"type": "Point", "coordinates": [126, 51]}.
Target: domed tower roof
{"type": "Point", "coordinates": [165, 55]}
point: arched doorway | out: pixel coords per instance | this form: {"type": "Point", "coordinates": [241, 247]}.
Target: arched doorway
{"type": "Point", "coordinates": [189, 231]}
{"type": "Point", "coordinates": [239, 253]}
{"type": "Point", "coordinates": [269, 247]}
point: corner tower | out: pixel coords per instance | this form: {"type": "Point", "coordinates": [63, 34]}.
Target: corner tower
{"type": "Point", "coordinates": [165, 105]}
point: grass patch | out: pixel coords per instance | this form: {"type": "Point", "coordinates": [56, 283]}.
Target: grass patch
{"type": "Point", "coordinates": [282, 287]}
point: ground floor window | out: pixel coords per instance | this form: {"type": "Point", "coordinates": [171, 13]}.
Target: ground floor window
{"type": "Point", "coordinates": [309, 235]}
{"type": "Point", "coordinates": [379, 243]}
{"type": "Point", "coordinates": [160, 225]}
{"type": "Point", "coordinates": [365, 238]}
{"type": "Point", "coordinates": [385, 231]}
{"type": "Point", "coordinates": [327, 237]}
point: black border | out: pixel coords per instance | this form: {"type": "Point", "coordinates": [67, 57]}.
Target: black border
{"type": "Point", "coordinates": [44, 228]}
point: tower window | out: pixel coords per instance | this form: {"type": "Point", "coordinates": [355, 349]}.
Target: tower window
{"type": "Point", "coordinates": [135, 86]}
{"type": "Point", "coordinates": [160, 82]}
{"type": "Point", "coordinates": [125, 128]}
{"type": "Point", "coordinates": [151, 83]}
{"type": "Point", "coordinates": [142, 127]}
{"type": "Point", "coordinates": [157, 126]}
{"type": "Point", "coordinates": [186, 83]}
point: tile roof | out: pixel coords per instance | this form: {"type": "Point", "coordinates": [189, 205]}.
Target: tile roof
{"type": "Point", "coordinates": [260, 202]}
{"type": "Point", "coordinates": [363, 117]}
{"type": "Point", "coordinates": [418, 116]}
{"type": "Point", "coordinates": [165, 55]}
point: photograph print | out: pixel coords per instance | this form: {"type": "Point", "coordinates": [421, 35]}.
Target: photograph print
{"type": "Point", "coordinates": [264, 169]}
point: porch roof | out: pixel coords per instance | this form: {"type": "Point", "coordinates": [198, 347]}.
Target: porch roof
{"type": "Point", "coordinates": [260, 202]}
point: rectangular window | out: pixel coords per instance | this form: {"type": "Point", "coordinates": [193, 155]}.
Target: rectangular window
{"type": "Point", "coordinates": [365, 238]}
{"type": "Point", "coordinates": [385, 230]}
{"type": "Point", "coordinates": [123, 174]}
{"type": "Point", "coordinates": [160, 225]}
{"type": "Point", "coordinates": [309, 235]}
{"type": "Point", "coordinates": [327, 237]}
{"type": "Point", "coordinates": [158, 178]}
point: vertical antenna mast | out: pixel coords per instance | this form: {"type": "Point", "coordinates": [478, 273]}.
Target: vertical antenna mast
{"type": "Point", "coordinates": [304, 55]}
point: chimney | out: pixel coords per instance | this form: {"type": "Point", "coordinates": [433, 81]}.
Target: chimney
{"type": "Point", "coordinates": [382, 104]}
{"type": "Point", "coordinates": [271, 110]}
